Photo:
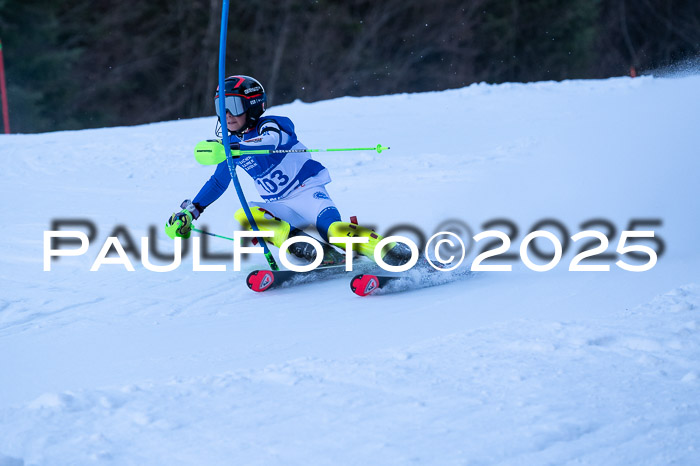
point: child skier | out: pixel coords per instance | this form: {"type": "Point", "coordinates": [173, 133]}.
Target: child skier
{"type": "Point", "coordinates": [292, 184]}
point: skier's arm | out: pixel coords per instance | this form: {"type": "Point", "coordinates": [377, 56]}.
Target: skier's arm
{"type": "Point", "coordinates": [214, 187]}
{"type": "Point", "coordinates": [270, 138]}
{"type": "Point", "coordinates": [180, 223]}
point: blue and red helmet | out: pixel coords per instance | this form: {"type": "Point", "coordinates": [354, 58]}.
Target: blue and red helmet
{"type": "Point", "coordinates": [243, 95]}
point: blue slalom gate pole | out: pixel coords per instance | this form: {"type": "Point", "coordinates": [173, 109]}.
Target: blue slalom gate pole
{"type": "Point", "coordinates": [225, 138]}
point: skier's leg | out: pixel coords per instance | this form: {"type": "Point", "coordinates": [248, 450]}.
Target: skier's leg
{"type": "Point", "coordinates": [325, 218]}
{"type": "Point", "coordinates": [316, 203]}
{"type": "Point", "coordinates": [392, 253]}
{"type": "Point", "coordinates": [310, 206]}
{"type": "Point", "coordinates": [266, 222]}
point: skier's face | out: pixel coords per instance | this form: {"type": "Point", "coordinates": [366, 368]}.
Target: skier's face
{"type": "Point", "coordinates": [234, 123]}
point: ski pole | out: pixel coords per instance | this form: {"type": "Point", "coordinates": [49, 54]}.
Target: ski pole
{"type": "Point", "coordinates": [215, 235]}
{"type": "Point", "coordinates": [379, 150]}
{"type": "Point", "coordinates": [218, 236]}
{"type": "Point", "coordinates": [225, 137]}
{"type": "Point", "coordinates": [213, 152]}
{"type": "Point", "coordinates": [212, 234]}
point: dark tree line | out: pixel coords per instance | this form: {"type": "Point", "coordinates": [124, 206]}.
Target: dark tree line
{"type": "Point", "coordinates": [78, 64]}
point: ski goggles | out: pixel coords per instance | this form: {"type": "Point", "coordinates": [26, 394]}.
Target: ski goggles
{"type": "Point", "coordinates": [234, 104]}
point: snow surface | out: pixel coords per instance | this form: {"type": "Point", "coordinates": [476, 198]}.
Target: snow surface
{"type": "Point", "coordinates": [117, 367]}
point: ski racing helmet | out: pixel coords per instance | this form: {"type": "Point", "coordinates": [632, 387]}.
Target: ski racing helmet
{"type": "Point", "coordinates": [243, 95]}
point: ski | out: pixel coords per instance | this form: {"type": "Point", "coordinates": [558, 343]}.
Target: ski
{"type": "Point", "coordinates": [264, 280]}
{"type": "Point", "coordinates": [366, 284]}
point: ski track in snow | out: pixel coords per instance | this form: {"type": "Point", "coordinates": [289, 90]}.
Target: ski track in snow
{"type": "Point", "coordinates": [444, 401]}
{"type": "Point", "coordinates": [117, 367]}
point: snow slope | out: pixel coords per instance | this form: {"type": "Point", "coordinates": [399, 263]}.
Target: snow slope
{"type": "Point", "coordinates": [118, 367]}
